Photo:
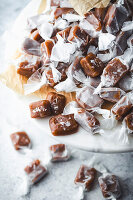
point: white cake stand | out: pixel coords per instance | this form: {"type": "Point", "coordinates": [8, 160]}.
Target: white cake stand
{"type": "Point", "coordinates": [81, 139]}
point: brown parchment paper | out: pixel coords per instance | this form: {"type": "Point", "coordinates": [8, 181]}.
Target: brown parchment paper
{"type": "Point", "coordinates": [16, 82]}
{"type": "Point", "coordinates": [83, 6]}
{"type": "Point", "coordinates": [42, 6]}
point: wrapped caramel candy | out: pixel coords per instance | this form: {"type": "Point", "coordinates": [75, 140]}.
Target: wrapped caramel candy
{"type": "Point", "coordinates": [85, 177]}
{"type": "Point", "coordinates": [59, 152]}
{"type": "Point", "coordinates": [20, 140]}
{"type": "Point", "coordinates": [35, 171]}
{"type": "Point", "coordinates": [110, 186]}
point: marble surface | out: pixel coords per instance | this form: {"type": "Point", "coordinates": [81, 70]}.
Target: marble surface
{"type": "Point", "coordinates": [58, 185]}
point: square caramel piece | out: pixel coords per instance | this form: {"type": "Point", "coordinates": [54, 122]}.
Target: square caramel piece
{"type": "Point", "coordinates": [55, 3]}
{"type": "Point", "coordinates": [27, 69]}
{"type": "Point", "coordinates": [20, 140]}
{"type": "Point", "coordinates": [77, 33]}
{"type": "Point", "coordinates": [57, 102]}
{"type": "Point", "coordinates": [65, 33]}
{"type": "Point", "coordinates": [62, 68]}
{"type": "Point", "coordinates": [40, 109]}
{"type": "Point", "coordinates": [111, 94]}
{"type": "Point", "coordinates": [92, 65]}
{"type": "Point", "coordinates": [122, 107]}
{"type": "Point", "coordinates": [87, 99]}
{"type": "Point", "coordinates": [110, 186]}
{"type": "Point", "coordinates": [63, 125]}
{"type": "Point", "coordinates": [60, 11]}
{"type": "Point", "coordinates": [35, 171]}
{"type": "Point", "coordinates": [87, 120]}
{"type": "Point", "coordinates": [85, 177]}
{"type": "Point", "coordinates": [113, 72]}
{"type": "Point", "coordinates": [93, 20]}
{"type": "Point", "coordinates": [115, 17]}
{"type": "Point", "coordinates": [59, 152]}
{"type": "Point", "coordinates": [36, 36]}
{"type": "Point", "coordinates": [50, 78]}
{"type": "Point", "coordinates": [46, 48]}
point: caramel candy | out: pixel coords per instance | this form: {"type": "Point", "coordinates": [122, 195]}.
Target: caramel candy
{"type": "Point", "coordinates": [93, 42]}
{"type": "Point", "coordinates": [129, 121]}
{"type": "Point", "coordinates": [32, 30]}
{"type": "Point", "coordinates": [115, 17]}
{"type": "Point", "coordinates": [20, 140]}
{"type": "Point", "coordinates": [93, 20]}
{"type": "Point", "coordinates": [62, 68]}
{"type": "Point", "coordinates": [59, 152]}
{"type": "Point", "coordinates": [128, 4]}
{"type": "Point", "coordinates": [31, 47]}
{"type": "Point", "coordinates": [27, 69]}
{"type": "Point", "coordinates": [49, 76]}
{"type": "Point", "coordinates": [126, 83]}
{"type": "Point", "coordinates": [109, 185]}
{"type": "Point", "coordinates": [46, 48]}
{"type": "Point", "coordinates": [60, 11]}
{"type": "Point", "coordinates": [36, 36]}
{"type": "Point", "coordinates": [113, 72]}
{"type": "Point", "coordinates": [87, 120]}
{"type": "Point", "coordinates": [77, 33]}
{"type": "Point", "coordinates": [85, 177]}
{"type": "Point", "coordinates": [57, 102]}
{"type": "Point", "coordinates": [100, 13]}
{"type": "Point", "coordinates": [55, 3]}
{"type": "Point", "coordinates": [35, 171]}
{"type": "Point", "coordinates": [61, 125]}
{"type": "Point", "coordinates": [40, 109]}
{"type": "Point", "coordinates": [111, 94]}
{"type": "Point", "coordinates": [87, 100]}
{"type": "Point", "coordinates": [121, 42]}
{"type": "Point", "coordinates": [92, 65]}
{"type": "Point", "coordinates": [94, 82]}
{"type": "Point", "coordinates": [122, 107]}
{"type": "Point", "coordinates": [76, 69]}
{"type": "Point", "coordinates": [55, 31]}
{"type": "Point", "coordinates": [65, 33]}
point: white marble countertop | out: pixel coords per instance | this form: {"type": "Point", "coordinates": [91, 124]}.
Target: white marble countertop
{"type": "Point", "coordinates": [58, 185]}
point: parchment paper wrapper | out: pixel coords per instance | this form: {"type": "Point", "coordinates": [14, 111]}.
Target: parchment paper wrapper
{"type": "Point", "coordinates": [83, 6]}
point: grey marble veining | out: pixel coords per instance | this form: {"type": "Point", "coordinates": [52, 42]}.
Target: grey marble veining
{"type": "Point", "coordinates": [58, 185]}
